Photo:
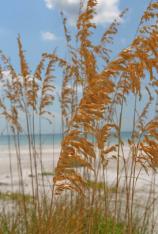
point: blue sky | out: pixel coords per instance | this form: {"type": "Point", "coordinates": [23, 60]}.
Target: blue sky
{"type": "Point", "coordinates": [40, 26]}
{"type": "Point", "coordinates": [33, 20]}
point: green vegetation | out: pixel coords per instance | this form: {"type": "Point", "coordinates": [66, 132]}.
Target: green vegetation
{"type": "Point", "coordinates": [100, 186]}
{"type": "Point", "coordinates": [47, 173]}
{"type": "Point", "coordinates": [64, 219]}
{"type": "Point", "coordinates": [15, 197]}
{"type": "Point", "coordinates": [107, 226]}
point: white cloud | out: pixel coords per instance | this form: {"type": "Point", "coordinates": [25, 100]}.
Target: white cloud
{"type": "Point", "coordinates": [49, 3]}
{"type": "Point", "coordinates": [48, 36]}
{"type": "Point", "coordinates": [107, 10]}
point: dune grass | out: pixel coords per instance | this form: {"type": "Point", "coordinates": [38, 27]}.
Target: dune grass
{"type": "Point", "coordinates": [64, 219]}
{"type": "Point", "coordinates": [92, 100]}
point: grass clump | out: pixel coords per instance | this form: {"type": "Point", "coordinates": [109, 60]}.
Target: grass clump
{"type": "Point", "coordinates": [107, 226]}
{"type": "Point", "coordinates": [9, 196]}
{"type": "Point", "coordinates": [65, 219]}
{"type": "Point", "coordinates": [100, 186]}
{"type": "Point", "coordinates": [46, 173]}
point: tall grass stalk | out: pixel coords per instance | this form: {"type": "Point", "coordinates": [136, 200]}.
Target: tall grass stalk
{"type": "Point", "coordinates": [81, 197]}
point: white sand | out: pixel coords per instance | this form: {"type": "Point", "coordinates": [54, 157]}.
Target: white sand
{"type": "Point", "coordinates": [49, 161]}
{"type": "Point", "coordinates": [50, 156]}
{"type": "Point", "coordinates": [9, 179]}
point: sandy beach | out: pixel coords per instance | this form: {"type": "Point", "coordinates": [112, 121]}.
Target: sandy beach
{"type": "Point", "coordinates": [10, 182]}
{"type": "Point", "coordinates": [9, 172]}
{"type": "Point", "coordinates": [9, 178]}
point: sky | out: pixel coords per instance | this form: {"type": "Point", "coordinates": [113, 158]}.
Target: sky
{"type": "Point", "coordinates": [40, 26]}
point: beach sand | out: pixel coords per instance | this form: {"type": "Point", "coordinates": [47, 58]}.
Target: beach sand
{"type": "Point", "coordinates": [9, 178]}
{"type": "Point", "coordinates": [9, 169]}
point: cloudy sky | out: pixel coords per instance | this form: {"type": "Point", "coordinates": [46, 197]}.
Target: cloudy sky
{"type": "Point", "coordinates": [39, 23]}
{"type": "Point", "coordinates": [40, 26]}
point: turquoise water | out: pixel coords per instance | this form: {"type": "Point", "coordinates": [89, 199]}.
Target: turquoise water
{"type": "Point", "coordinates": [45, 139]}
{"type": "Point", "coordinates": [49, 139]}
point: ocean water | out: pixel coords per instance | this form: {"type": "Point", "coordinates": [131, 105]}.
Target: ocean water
{"type": "Point", "coordinates": [49, 139]}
